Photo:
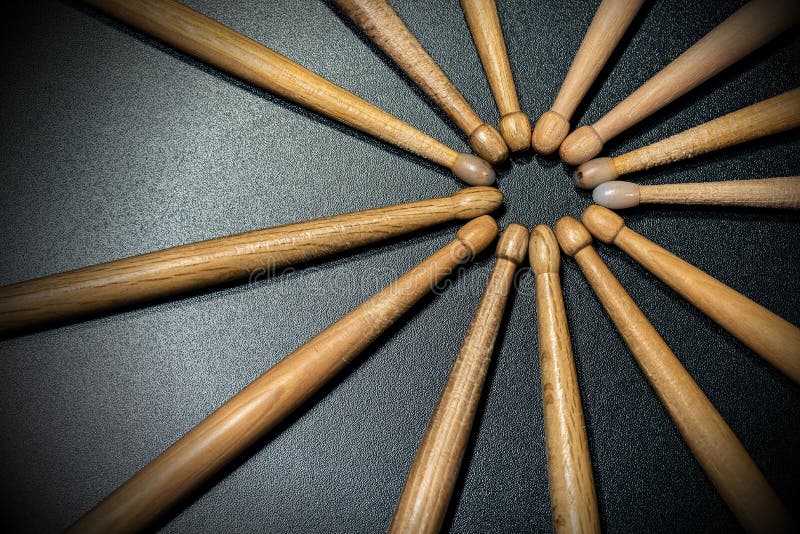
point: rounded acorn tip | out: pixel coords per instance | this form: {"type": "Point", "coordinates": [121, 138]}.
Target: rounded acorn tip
{"type": "Point", "coordinates": [473, 170]}
{"type": "Point", "coordinates": [473, 202]}
{"type": "Point", "coordinates": [616, 195]}
{"type": "Point", "coordinates": [580, 146]}
{"type": "Point", "coordinates": [595, 172]}
{"type": "Point", "coordinates": [513, 243]}
{"type": "Point", "coordinates": [488, 144]}
{"type": "Point", "coordinates": [549, 132]}
{"type": "Point", "coordinates": [543, 251]}
{"type": "Point", "coordinates": [572, 235]}
{"type": "Point", "coordinates": [516, 130]}
{"type": "Point", "coordinates": [603, 223]}
{"type": "Point", "coordinates": [478, 233]}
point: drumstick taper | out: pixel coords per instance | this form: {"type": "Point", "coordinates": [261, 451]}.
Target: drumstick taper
{"type": "Point", "coordinates": [484, 25]}
{"type": "Point", "coordinates": [429, 486]}
{"type": "Point", "coordinates": [220, 46]}
{"type": "Point", "coordinates": [386, 29]}
{"type": "Point", "coordinates": [770, 336]}
{"type": "Point", "coordinates": [716, 448]}
{"type": "Point", "coordinates": [255, 410]}
{"type": "Point", "coordinates": [112, 285]}
{"type": "Point", "coordinates": [572, 494]}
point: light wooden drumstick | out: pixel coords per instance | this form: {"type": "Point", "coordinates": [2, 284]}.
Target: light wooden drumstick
{"type": "Point", "coordinates": [757, 193]}
{"type": "Point", "coordinates": [385, 28]}
{"type": "Point", "coordinates": [572, 494]}
{"type": "Point", "coordinates": [716, 448]}
{"type": "Point", "coordinates": [773, 338]}
{"type": "Point", "coordinates": [484, 24]}
{"type": "Point", "coordinates": [758, 22]}
{"type": "Point", "coordinates": [232, 52]}
{"type": "Point", "coordinates": [426, 495]}
{"type": "Point", "coordinates": [255, 410]}
{"type": "Point", "coordinates": [609, 24]}
{"type": "Point", "coordinates": [771, 116]}
{"type": "Point", "coordinates": [137, 279]}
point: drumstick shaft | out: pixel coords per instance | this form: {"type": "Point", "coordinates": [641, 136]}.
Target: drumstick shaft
{"type": "Point", "coordinates": [760, 193]}
{"type": "Point", "coordinates": [717, 449]}
{"type": "Point", "coordinates": [255, 410]}
{"type": "Point", "coordinates": [426, 495]}
{"type": "Point", "coordinates": [191, 267]}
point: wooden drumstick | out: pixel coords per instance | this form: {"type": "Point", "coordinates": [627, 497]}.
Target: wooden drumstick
{"type": "Point", "coordinates": [385, 28]}
{"type": "Point", "coordinates": [716, 448]}
{"type": "Point", "coordinates": [255, 410]}
{"type": "Point", "coordinates": [758, 22]}
{"type": "Point", "coordinates": [484, 24]}
{"type": "Point", "coordinates": [773, 338]}
{"type": "Point", "coordinates": [137, 279]}
{"type": "Point", "coordinates": [572, 494]}
{"type": "Point", "coordinates": [426, 495]}
{"type": "Point", "coordinates": [771, 116]}
{"type": "Point", "coordinates": [757, 193]}
{"type": "Point", "coordinates": [609, 24]}
{"type": "Point", "coordinates": [232, 52]}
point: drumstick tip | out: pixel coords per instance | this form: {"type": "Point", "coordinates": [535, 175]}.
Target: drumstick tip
{"type": "Point", "coordinates": [488, 144]}
{"type": "Point", "coordinates": [602, 223]}
{"type": "Point", "coordinates": [473, 202]}
{"type": "Point", "coordinates": [543, 252]}
{"type": "Point", "coordinates": [549, 132]}
{"type": "Point", "coordinates": [516, 130]}
{"type": "Point", "coordinates": [473, 170]}
{"type": "Point", "coordinates": [616, 195]}
{"type": "Point", "coordinates": [594, 172]}
{"type": "Point", "coordinates": [478, 233]}
{"type": "Point", "coordinates": [580, 146]}
{"type": "Point", "coordinates": [513, 243]}
{"type": "Point", "coordinates": [572, 236]}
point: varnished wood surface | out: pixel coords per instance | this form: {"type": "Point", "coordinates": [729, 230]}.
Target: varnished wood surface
{"type": "Point", "coordinates": [429, 486]}
{"type": "Point", "coordinates": [716, 448]}
{"type": "Point", "coordinates": [255, 410]}
{"type": "Point", "coordinates": [773, 338]}
{"type": "Point", "coordinates": [163, 273]}
{"type": "Point", "coordinates": [569, 467]}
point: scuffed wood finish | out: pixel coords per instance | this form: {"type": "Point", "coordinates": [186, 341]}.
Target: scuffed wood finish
{"type": "Point", "coordinates": [484, 25]}
{"type": "Point", "coordinates": [385, 28]}
{"type": "Point", "coordinates": [255, 410]}
{"type": "Point", "coordinates": [609, 24]}
{"type": "Point", "coordinates": [572, 493]}
{"type": "Point", "coordinates": [426, 495]}
{"type": "Point", "coordinates": [773, 338]}
{"type": "Point", "coordinates": [759, 193]}
{"type": "Point", "coordinates": [753, 25]}
{"type": "Point", "coordinates": [134, 280]}
{"type": "Point", "coordinates": [716, 448]}
{"type": "Point", "coordinates": [232, 52]}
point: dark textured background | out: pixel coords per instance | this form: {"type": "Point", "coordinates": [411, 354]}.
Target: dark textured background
{"type": "Point", "coordinates": [113, 145]}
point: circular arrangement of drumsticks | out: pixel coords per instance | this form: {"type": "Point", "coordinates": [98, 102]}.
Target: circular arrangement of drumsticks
{"type": "Point", "coordinates": [246, 417]}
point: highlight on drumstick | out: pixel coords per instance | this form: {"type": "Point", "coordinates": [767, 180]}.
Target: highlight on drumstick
{"type": "Point", "coordinates": [386, 29]}
{"type": "Point", "coordinates": [712, 442]}
{"type": "Point", "coordinates": [220, 46]}
{"type": "Point", "coordinates": [768, 335]}
{"type": "Point", "coordinates": [753, 25]}
{"type": "Point", "coordinates": [134, 280]}
{"type": "Point", "coordinates": [484, 25]}
{"type": "Point", "coordinates": [572, 492]}
{"type": "Point", "coordinates": [768, 117]}
{"type": "Point", "coordinates": [426, 495]}
{"type": "Point", "coordinates": [254, 411]}
{"type": "Point", "coordinates": [609, 24]}
{"type": "Point", "coordinates": [755, 193]}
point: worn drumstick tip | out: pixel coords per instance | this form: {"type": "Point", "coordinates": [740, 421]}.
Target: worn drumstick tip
{"type": "Point", "coordinates": [516, 130]}
{"type": "Point", "coordinates": [513, 244]}
{"type": "Point", "coordinates": [543, 252]}
{"type": "Point", "coordinates": [473, 170]}
{"type": "Point", "coordinates": [605, 224]}
{"type": "Point", "coordinates": [595, 172]}
{"type": "Point", "coordinates": [472, 202]}
{"type": "Point", "coordinates": [488, 144]}
{"type": "Point", "coordinates": [549, 132]}
{"type": "Point", "coordinates": [478, 233]}
{"type": "Point", "coordinates": [616, 195]}
{"type": "Point", "coordinates": [580, 146]}
{"type": "Point", "coordinates": [572, 235]}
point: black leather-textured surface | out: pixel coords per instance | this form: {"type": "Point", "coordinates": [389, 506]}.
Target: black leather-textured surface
{"type": "Point", "coordinates": [113, 144]}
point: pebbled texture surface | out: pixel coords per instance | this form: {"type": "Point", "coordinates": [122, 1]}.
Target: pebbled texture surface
{"type": "Point", "coordinates": [113, 145]}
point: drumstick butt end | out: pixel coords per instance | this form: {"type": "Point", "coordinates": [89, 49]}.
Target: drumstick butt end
{"type": "Point", "coordinates": [543, 252]}
{"type": "Point", "coordinates": [549, 133]}
{"type": "Point", "coordinates": [473, 202]}
{"type": "Point", "coordinates": [478, 233]}
{"type": "Point", "coordinates": [516, 130]}
{"type": "Point", "coordinates": [602, 223]}
{"type": "Point", "coordinates": [488, 144]}
{"type": "Point", "coordinates": [616, 195]}
{"type": "Point", "coordinates": [473, 170]}
{"type": "Point", "coordinates": [513, 244]}
{"type": "Point", "coordinates": [594, 172]}
{"type": "Point", "coordinates": [580, 146]}
{"type": "Point", "coordinates": [572, 235]}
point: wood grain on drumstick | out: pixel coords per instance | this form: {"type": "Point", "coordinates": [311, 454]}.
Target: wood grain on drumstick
{"type": "Point", "coordinates": [385, 28]}
{"type": "Point", "coordinates": [771, 116]}
{"type": "Point", "coordinates": [137, 279]}
{"type": "Point", "coordinates": [232, 52]}
{"type": "Point", "coordinates": [756, 23]}
{"type": "Point", "coordinates": [717, 449]}
{"type": "Point", "coordinates": [755, 193]}
{"type": "Point", "coordinates": [773, 338]}
{"type": "Point", "coordinates": [484, 24]}
{"type": "Point", "coordinates": [609, 24]}
{"type": "Point", "coordinates": [572, 493]}
{"type": "Point", "coordinates": [255, 410]}
{"type": "Point", "coordinates": [429, 486]}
